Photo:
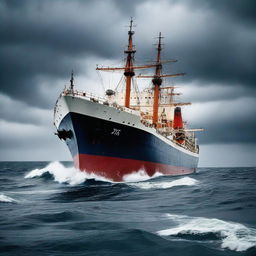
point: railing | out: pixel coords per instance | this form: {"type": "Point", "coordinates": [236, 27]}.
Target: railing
{"type": "Point", "coordinates": [189, 141]}
{"type": "Point", "coordinates": [95, 98]}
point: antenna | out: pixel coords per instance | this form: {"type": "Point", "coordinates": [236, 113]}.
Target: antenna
{"type": "Point", "coordinates": [131, 26]}
{"type": "Point", "coordinates": [72, 81]}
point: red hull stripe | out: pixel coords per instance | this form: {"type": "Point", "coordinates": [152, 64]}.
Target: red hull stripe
{"type": "Point", "coordinates": [115, 168]}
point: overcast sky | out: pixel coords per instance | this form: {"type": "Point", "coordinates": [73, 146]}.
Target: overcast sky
{"type": "Point", "coordinates": [214, 41]}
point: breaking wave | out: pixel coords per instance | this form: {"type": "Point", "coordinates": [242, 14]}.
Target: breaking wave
{"type": "Point", "coordinates": [141, 175]}
{"type": "Point", "coordinates": [73, 176]}
{"type": "Point", "coordinates": [234, 236]}
{"type": "Point", "coordinates": [7, 199]}
{"type": "Point", "coordinates": [62, 174]}
{"type": "Point", "coordinates": [185, 181]}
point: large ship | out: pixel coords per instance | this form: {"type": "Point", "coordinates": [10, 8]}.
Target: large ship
{"type": "Point", "coordinates": [128, 130]}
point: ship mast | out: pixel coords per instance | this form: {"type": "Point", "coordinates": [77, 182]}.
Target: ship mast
{"type": "Point", "coordinates": [72, 81]}
{"type": "Point", "coordinates": [129, 72]}
{"type": "Point", "coordinates": [157, 81]}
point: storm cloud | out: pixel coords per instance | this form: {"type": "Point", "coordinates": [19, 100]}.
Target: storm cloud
{"type": "Point", "coordinates": [42, 41]}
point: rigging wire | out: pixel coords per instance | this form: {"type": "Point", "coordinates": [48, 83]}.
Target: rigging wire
{"type": "Point", "coordinates": [137, 91]}
{"type": "Point", "coordinates": [101, 81]}
{"type": "Point", "coordinates": [119, 83]}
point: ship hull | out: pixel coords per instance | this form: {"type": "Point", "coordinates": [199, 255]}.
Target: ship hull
{"type": "Point", "coordinates": [119, 169]}
{"type": "Point", "coordinates": [114, 148]}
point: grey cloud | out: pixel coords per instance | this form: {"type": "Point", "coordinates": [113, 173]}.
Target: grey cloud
{"type": "Point", "coordinates": [23, 69]}
{"type": "Point", "coordinates": [20, 136]}
{"type": "Point", "coordinates": [243, 11]}
{"type": "Point", "coordinates": [29, 142]}
{"type": "Point", "coordinates": [226, 122]}
{"type": "Point", "coordinates": [227, 155]}
{"type": "Point", "coordinates": [19, 112]}
{"type": "Point", "coordinates": [48, 38]}
{"type": "Point", "coordinates": [210, 48]}
{"type": "Point", "coordinates": [198, 92]}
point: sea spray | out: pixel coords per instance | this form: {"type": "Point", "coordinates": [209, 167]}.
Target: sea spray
{"type": "Point", "coordinates": [7, 199]}
{"type": "Point", "coordinates": [62, 174]}
{"type": "Point", "coordinates": [185, 181]}
{"type": "Point", "coordinates": [234, 236]}
{"type": "Point", "coordinates": [140, 175]}
{"type": "Point", "coordinates": [73, 176]}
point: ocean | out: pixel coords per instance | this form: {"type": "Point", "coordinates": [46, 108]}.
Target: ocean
{"type": "Point", "coordinates": [53, 209]}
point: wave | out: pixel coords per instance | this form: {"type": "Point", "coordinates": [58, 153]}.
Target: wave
{"type": "Point", "coordinates": [61, 216]}
{"type": "Point", "coordinates": [140, 175]}
{"type": "Point", "coordinates": [32, 192]}
{"type": "Point", "coordinates": [185, 181]}
{"type": "Point", "coordinates": [234, 236]}
{"type": "Point", "coordinates": [73, 176]}
{"type": "Point", "coordinates": [62, 174]}
{"type": "Point", "coordinates": [7, 199]}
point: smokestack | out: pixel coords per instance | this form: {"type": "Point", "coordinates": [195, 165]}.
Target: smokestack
{"type": "Point", "coordinates": [178, 124]}
{"type": "Point", "coordinates": [177, 121]}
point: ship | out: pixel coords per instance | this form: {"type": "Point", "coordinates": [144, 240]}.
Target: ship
{"type": "Point", "coordinates": [128, 130]}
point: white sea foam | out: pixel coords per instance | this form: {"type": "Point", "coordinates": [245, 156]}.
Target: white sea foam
{"type": "Point", "coordinates": [74, 176]}
{"type": "Point", "coordinates": [140, 175]}
{"type": "Point", "coordinates": [64, 174]}
{"type": "Point", "coordinates": [7, 199]}
{"type": "Point", "coordinates": [234, 236]}
{"type": "Point", "coordinates": [185, 181]}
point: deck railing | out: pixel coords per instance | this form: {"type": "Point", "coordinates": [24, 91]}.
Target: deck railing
{"type": "Point", "coordinates": [101, 100]}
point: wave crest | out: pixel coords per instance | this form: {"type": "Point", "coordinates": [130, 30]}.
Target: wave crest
{"type": "Point", "coordinates": [234, 236]}
{"type": "Point", "coordinates": [185, 181]}
{"type": "Point", "coordinates": [140, 175]}
{"type": "Point", "coordinates": [73, 176]}
{"type": "Point", "coordinates": [7, 199]}
{"type": "Point", "coordinates": [62, 174]}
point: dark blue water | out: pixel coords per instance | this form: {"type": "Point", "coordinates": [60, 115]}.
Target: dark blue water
{"type": "Point", "coordinates": [60, 211]}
